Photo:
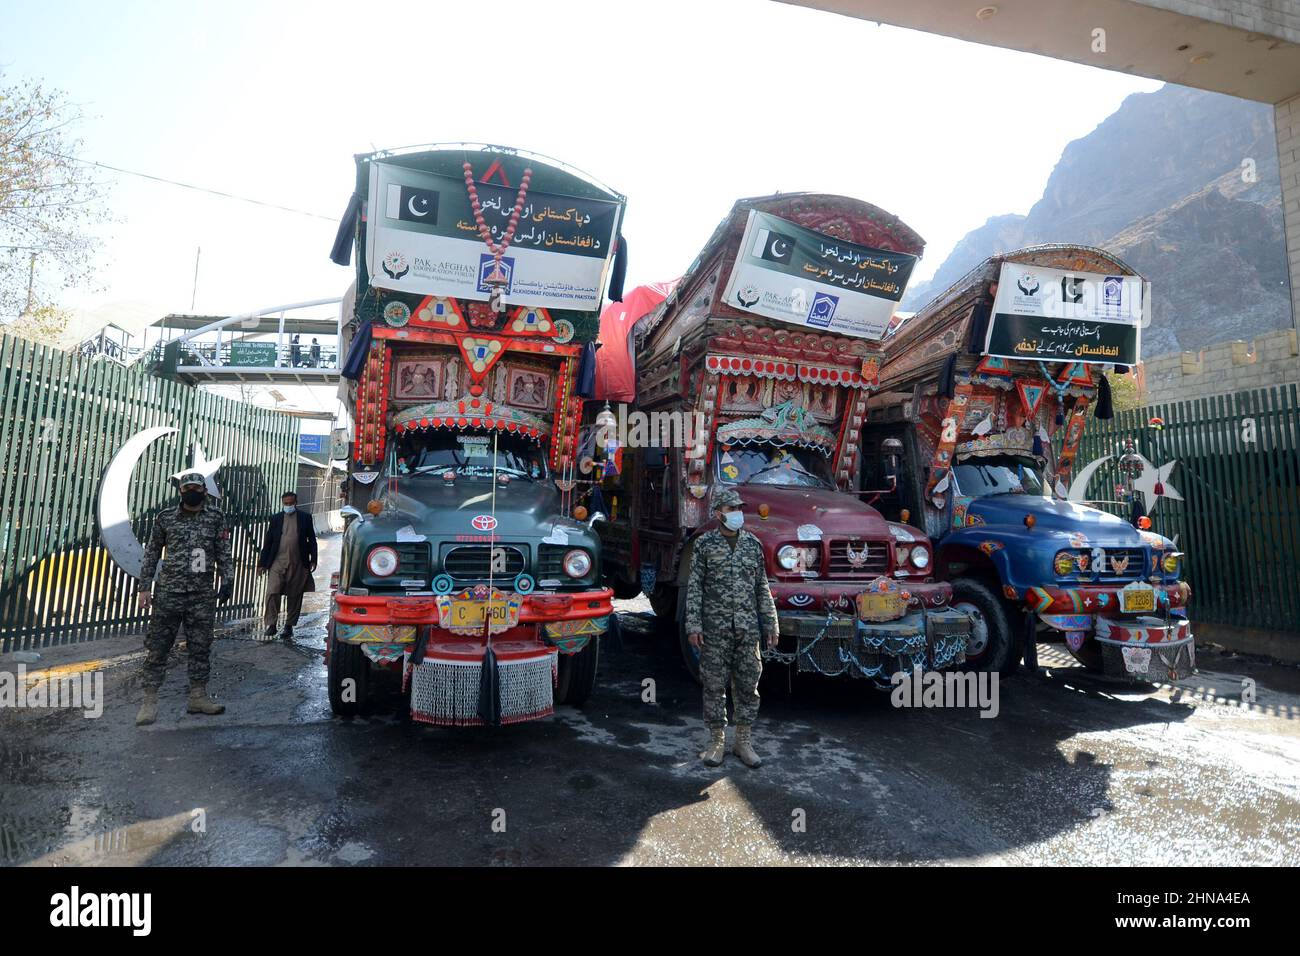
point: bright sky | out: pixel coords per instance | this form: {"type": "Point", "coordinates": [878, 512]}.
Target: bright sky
{"type": "Point", "coordinates": [682, 106]}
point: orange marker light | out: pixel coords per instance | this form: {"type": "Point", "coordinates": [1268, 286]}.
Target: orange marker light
{"type": "Point", "coordinates": [1144, 523]}
{"type": "Point", "coordinates": [375, 507]}
{"type": "Point", "coordinates": [580, 513]}
{"type": "Point", "coordinates": [905, 516]}
{"type": "Point", "coordinates": [764, 511]}
{"type": "Point", "coordinates": [1030, 521]}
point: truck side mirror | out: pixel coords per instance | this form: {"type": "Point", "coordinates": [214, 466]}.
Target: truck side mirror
{"type": "Point", "coordinates": [596, 516]}
{"type": "Point", "coordinates": [892, 449]}
{"type": "Point", "coordinates": [348, 512]}
{"type": "Point", "coordinates": [339, 444]}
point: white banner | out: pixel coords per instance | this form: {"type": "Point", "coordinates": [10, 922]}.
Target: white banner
{"type": "Point", "coordinates": [792, 274]}
{"type": "Point", "coordinates": [421, 238]}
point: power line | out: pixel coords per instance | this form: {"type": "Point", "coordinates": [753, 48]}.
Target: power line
{"type": "Point", "coordinates": [202, 189]}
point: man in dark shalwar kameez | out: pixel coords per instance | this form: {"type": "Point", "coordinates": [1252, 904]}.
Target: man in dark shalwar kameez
{"type": "Point", "coordinates": [288, 559]}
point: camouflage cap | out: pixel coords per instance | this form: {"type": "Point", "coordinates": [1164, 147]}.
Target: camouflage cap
{"type": "Point", "coordinates": [726, 497]}
{"type": "Point", "coordinates": [191, 478]}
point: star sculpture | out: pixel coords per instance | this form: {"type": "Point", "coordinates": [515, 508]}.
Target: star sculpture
{"type": "Point", "coordinates": [1146, 482]}
{"type": "Point", "coordinates": [204, 467]}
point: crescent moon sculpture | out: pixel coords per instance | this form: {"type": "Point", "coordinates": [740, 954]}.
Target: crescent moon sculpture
{"type": "Point", "coordinates": [114, 514]}
{"type": "Point", "coordinates": [1079, 487]}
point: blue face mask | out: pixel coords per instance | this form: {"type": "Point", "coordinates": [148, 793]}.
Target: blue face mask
{"type": "Point", "coordinates": [734, 520]}
{"type": "Point", "coordinates": [289, 509]}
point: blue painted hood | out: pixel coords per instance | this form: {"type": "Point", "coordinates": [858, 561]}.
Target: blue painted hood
{"type": "Point", "coordinates": [1053, 514]}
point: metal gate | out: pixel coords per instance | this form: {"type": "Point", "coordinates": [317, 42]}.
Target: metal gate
{"type": "Point", "coordinates": [62, 419]}
{"type": "Point", "coordinates": [1238, 473]}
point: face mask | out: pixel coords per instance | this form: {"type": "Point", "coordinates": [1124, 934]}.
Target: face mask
{"type": "Point", "coordinates": [290, 509]}
{"type": "Point", "coordinates": [193, 498]}
{"type": "Point", "coordinates": [734, 520]}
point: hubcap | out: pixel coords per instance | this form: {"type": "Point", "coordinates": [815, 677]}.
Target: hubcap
{"type": "Point", "coordinates": [979, 632]}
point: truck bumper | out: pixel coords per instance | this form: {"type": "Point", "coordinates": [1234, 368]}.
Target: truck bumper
{"type": "Point", "coordinates": [389, 625]}
{"type": "Point", "coordinates": [932, 639]}
{"type": "Point", "coordinates": [1093, 599]}
{"type": "Point", "coordinates": [813, 595]}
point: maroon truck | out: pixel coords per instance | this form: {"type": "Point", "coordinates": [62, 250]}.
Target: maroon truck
{"type": "Point", "coordinates": [728, 396]}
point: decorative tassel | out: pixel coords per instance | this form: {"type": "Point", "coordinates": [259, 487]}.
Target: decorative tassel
{"type": "Point", "coordinates": [597, 501]}
{"type": "Point", "coordinates": [979, 327]}
{"type": "Point", "coordinates": [1060, 419]}
{"type": "Point", "coordinates": [1038, 447]}
{"type": "Point", "coordinates": [619, 273]}
{"type": "Point", "coordinates": [1121, 370]}
{"type": "Point", "coordinates": [489, 689]}
{"type": "Point", "coordinates": [1105, 408]}
{"type": "Point", "coordinates": [1159, 489]}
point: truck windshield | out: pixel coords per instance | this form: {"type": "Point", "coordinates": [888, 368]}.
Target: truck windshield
{"type": "Point", "coordinates": [982, 477]}
{"type": "Point", "coordinates": [469, 455]}
{"type": "Point", "coordinates": [765, 464]}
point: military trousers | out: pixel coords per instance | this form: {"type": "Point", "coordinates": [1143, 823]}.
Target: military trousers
{"type": "Point", "coordinates": [730, 658]}
{"type": "Point", "coordinates": [197, 612]}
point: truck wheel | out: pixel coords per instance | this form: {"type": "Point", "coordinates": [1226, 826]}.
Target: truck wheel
{"type": "Point", "coordinates": [348, 663]}
{"type": "Point", "coordinates": [577, 676]}
{"type": "Point", "coordinates": [992, 645]}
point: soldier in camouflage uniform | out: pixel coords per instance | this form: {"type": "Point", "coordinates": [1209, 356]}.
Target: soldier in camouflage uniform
{"type": "Point", "coordinates": [729, 611]}
{"type": "Point", "coordinates": [196, 543]}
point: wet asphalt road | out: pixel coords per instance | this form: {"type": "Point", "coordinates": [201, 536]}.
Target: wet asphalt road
{"type": "Point", "coordinates": [1074, 769]}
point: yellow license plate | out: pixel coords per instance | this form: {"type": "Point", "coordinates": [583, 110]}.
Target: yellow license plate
{"type": "Point", "coordinates": [877, 607]}
{"type": "Point", "coordinates": [1143, 600]}
{"type": "Point", "coordinates": [470, 613]}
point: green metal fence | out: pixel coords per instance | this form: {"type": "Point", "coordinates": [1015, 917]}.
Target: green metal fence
{"type": "Point", "coordinates": [62, 419]}
{"type": "Point", "coordinates": [1238, 522]}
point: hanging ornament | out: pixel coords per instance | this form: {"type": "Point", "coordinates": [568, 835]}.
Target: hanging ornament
{"type": "Point", "coordinates": [496, 279]}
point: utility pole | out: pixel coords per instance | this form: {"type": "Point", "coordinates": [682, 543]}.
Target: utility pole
{"type": "Point", "coordinates": [198, 251]}
{"type": "Point", "coordinates": [31, 282]}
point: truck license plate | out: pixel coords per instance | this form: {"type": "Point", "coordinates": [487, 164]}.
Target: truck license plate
{"type": "Point", "coordinates": [470, 614]}
{"type": "Point", "coordinates": [1137, 598]}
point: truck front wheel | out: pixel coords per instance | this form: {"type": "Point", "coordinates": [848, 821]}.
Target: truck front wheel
{"type": "Point", "coordinates": [577, 674]}
{"type": "Point", "coordinates": [992, 645]}
{"type": "Point", "coordinates": [349, 677]}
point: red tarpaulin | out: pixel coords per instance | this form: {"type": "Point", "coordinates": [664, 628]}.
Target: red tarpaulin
{"type": "Point", "coordinates": [615, 366]}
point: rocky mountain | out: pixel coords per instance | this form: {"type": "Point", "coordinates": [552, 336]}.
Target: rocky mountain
{"type": "Point", "coordinates": [1161, 184]}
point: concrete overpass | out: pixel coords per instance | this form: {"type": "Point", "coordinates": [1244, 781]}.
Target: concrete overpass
{"type": "Point", "coordinates": [1246, 48]}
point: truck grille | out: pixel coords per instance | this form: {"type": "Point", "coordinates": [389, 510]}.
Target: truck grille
{"type": "Point", "coordinates": [412, 559]}
{"type": "Point", "coordinates": [550, 562]}
{"type": "Point", "coordinates": [877, 561]}
{"type": "Point", "coordinates": [474, 562]}
{"type": "Point", "coordinates": [1134, 570]}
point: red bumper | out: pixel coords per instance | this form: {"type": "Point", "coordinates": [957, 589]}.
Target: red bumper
{"type": "Point", "coordinates": [537, 608]}
{"type": "Point", "coordinates": [840, 596]}
{"type": "Point", "coordinates": [1096, 599]}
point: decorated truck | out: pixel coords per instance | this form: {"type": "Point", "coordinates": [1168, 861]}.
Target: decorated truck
{"type": "Point", "coordinates": [989, 389]}
{"type": "Point", "coordinates": [465, 566]}
{"type": "Point", "coordinates": [754, 373]}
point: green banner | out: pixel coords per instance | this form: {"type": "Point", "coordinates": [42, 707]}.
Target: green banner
{"type": "Point", "coordinates": [1062, 340]}
{"type": "Point", "coordinates": [259, 354]}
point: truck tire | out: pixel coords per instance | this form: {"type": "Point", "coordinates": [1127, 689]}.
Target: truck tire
{"type": "Point", "coordinates": [993, 642]}
{"type": "Point", "coordinates": [577, 674]}
{"type": "Point", "coordinates": [347, 662]}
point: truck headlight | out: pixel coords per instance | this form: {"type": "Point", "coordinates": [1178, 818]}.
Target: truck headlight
{"type": "Point", "coordinates": [920, 557]}
{"type": "Point", "coordinates": [1171, 563]}
{"type": "Point", "coordinates": [792, 558]}
{"type": "Point", "coordinates": [787, 556]}
{"type": "Point", "coordinates": [577, 563]}
{"type": "Point", "coordinates": [382, 562]}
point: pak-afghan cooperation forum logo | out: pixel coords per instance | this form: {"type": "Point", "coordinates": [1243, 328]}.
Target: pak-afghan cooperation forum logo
{"type": "Point", "coordinates": [395, 265]}
{"type": "Point", "coordinates": [823, 309]}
